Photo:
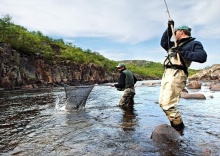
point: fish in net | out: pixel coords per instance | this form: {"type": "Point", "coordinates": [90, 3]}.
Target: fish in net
{"type": "Point", "coordinates": [76, 96]}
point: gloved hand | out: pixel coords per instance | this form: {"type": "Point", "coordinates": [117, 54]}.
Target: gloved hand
{"type": "Point", "coordinates": [170, 22]}
{"type": "Point", "coordinates": [173, 51]}
{"type": "Point", "coordinates": [176, 49]}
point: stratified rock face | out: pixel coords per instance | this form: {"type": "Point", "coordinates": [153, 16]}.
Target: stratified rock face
{"type": "Point", "coordinates": [17, 71]}
{"type": "Point", "coordinates": [165, 134]}
{"type": "Point", "coordinates": [211, 73]}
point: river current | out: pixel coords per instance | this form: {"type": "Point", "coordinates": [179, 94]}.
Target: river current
{"type": "Point", "coordinates": [35, 122]}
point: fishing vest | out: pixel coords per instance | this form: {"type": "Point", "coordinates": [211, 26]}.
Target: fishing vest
{"type": "Point", "coordinates": [172, 62]}
{"type": "Point", "coordinates": [129, 80]}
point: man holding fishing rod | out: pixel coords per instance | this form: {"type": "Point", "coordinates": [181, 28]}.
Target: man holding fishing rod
{"type": "Point", "coordinates": [125, 83]}
{"type": "Point", "coordinates": [181, 53]}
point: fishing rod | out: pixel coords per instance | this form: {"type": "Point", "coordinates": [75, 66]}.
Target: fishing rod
{"type": "Point", "coordinates": [172, 28]}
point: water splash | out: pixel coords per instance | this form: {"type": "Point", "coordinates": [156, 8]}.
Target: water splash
{"type": "Point", "coordinates": [58, 104]}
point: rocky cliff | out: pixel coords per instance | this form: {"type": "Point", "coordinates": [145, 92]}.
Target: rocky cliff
{"type": "Point", "coordinates": [208, 74]}
{"type": "Point", "coordinates": [18, 70]}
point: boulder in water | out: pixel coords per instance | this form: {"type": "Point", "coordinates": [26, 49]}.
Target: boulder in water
{"type": "Point", "coordinates": [194, 85]}
{"type": "Point", "coordinates": [215, 88]}
{"type": "Point", "coordinates": [192, 96]}
{"type": "Point", "coordinates": [164, 134]}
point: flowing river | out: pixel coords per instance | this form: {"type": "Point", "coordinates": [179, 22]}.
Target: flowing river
{"type": "Point", "coordinates": [35, 122]}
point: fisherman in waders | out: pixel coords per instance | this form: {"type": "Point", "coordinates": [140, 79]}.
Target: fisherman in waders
{"type": "Point", "coordinates": [126, 83]}
{"type": "Point", "coordinates": [175, 74]}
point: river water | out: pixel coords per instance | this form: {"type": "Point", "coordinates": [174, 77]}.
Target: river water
{"type": "Point", "coordinates": [35, 122]}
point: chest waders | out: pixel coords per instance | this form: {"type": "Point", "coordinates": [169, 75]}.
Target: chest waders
{"type": "Point", "coordinates": [172, 84]}
{"type": "Point", "coordinates": [171, 62]}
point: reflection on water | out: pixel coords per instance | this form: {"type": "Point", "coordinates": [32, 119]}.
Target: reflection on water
{"type": "Point", "coordinates": [35, 122]}
{"type": "Point", "coordinates": [129, 119]}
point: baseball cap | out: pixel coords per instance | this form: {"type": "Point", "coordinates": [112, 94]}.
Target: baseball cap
{"type": "Point", "coordinates": [120, 65]}
{"type": "Point", "coordinates": [183, 27]}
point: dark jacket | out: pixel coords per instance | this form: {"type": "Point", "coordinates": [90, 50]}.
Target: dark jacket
{"type": "Point", "coordinates": [192, 50]}
{"type": "Point", "coordinates": [121, 82]}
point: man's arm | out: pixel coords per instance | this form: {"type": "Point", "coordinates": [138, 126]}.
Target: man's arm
{"type": "Point", "coordinates": [196, 53]}
{"type": "Point", "coordinates": [121, 81]}
{"type": "Point", "coordinates": [165, 40]}
{"type": "Point", "coordinates": [135, 79]}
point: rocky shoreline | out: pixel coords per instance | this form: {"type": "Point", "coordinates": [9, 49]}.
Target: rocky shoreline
{"type": "Point", "coordinates": [22, 70]}
{"type": "Point", "coordinates": [27, 71]}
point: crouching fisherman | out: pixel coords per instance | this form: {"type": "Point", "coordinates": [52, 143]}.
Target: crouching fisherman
{"type": "Point", "coordinates": [176, 73]}
{"type": "Point", "coordinates": [125, 83]}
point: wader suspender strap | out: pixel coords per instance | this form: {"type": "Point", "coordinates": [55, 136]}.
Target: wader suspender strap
{"type": "Point", "coordinates": [168, 58]}
{"type": "Point", "coordinates": [184, 68]}
{"type": "Point", "coordinates": [169, 62]}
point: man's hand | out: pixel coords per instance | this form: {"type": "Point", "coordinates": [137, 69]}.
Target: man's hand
{"type": "Point", "coordinates": [176, 49]}
{"type": "Point", "coordinates": [173, 52]}
{"type": "Point", "coordinates": [170, 22]}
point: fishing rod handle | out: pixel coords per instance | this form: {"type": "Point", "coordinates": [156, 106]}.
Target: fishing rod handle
{"type": "Point", "coordinates": [175, 44]}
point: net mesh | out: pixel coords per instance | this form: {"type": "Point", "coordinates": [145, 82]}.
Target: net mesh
{"type": "Point", "coordinates": [76, 96]}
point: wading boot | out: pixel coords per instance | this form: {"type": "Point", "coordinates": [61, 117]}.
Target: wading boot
{"type": "Point", "coordinates": [178, 127]}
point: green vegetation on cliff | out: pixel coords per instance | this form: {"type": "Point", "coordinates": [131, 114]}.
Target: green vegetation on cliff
{"type": "Point", "coordinates": [34, 42]}
{"type": "Point", "coordinates": [152, 69]}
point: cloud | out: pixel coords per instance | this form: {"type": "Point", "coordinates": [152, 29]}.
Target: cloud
{"type": "Point", "coordinates": [127, 26]}
{"type": "Point", "coordinates": [123, 20]}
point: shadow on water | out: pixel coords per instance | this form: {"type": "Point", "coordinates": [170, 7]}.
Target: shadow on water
{"type": "Point", "coordinates": [35, 123]}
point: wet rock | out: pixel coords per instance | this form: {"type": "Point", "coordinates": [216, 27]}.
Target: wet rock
{"type": "Point", "coordinates": [26, 87]}
{"type": "Point", "coordinates": [211, 96]}
{"type": "Point", "coordinates": [151, 84]}
{"type": "Point", "coordinates": [215, 88]}
{"type": "Point", "coordinates": [165, 134]}
{"type": "Point", "coordinates": [192, 96]}
{"type": "Point", "coordinates": [194, 85]}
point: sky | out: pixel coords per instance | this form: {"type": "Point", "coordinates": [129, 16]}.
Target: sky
{"type": "Point", "coordinates": [122, 29]}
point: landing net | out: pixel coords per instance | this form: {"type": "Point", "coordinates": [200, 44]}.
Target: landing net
{"type": "Point", "coordinates": [76, 96]}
